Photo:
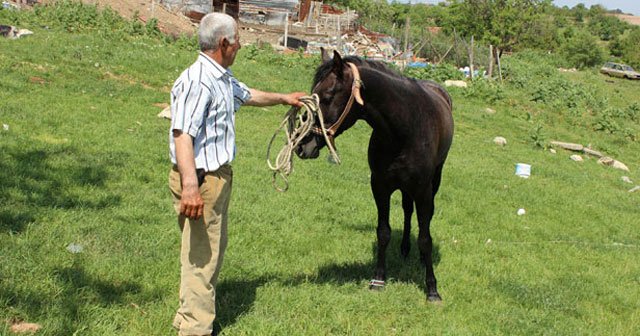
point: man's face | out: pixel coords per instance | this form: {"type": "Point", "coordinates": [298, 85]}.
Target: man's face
{"type": "Point", "coordinates": [232, 49]}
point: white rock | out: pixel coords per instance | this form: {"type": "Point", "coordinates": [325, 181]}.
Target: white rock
{"type": "Point", "coordinates": [521, 212]}
{"type": "Point", "coordinates": [5, 127]}
{"type": "Point", "coordinates": [626, 179]}
{"type": "Point", "coordinates": [500, 141]}
{"type": "Point", "coordinates": [490, 110]}
{"type": "Point", "coordinates": [634, 189]}
{"type": "Point", "coordinates": [576, 158]}
{"type": "Point", "coordinates": [553, 151]}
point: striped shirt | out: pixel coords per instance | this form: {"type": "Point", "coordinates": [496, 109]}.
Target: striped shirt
{"type": "Point", "coordinates": [204, 100]}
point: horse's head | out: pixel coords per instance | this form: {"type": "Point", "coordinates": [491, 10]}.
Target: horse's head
{"type": "Point", "coordinates": [337, 84]}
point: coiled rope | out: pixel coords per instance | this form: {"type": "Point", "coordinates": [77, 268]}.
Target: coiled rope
{"type": "Point", "coordinates": [297, 127]}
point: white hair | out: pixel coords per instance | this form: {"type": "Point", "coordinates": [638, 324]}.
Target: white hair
{"type": "Point", "coordinates": [213, 28]}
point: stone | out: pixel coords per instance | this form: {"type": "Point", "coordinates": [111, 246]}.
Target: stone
{"type": "Point", "coordinates": [607, 161]}
{"type": "Point", "coordinates": [626, 179]}
{"type": "Point", "coordinates": [634, 189]}
{"type": "Point", "coordinates": [590, 151]}
{"type": "Point", "coordinates": [576, 158]}
{"type": "Point", "coordinates": [568, 145]}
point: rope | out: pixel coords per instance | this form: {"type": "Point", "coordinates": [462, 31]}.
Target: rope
{"type": "Point", "coordinates": [296, 127]}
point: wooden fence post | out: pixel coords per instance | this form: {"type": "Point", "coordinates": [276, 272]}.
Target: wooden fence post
{"type": "Point", "coordinates": [490, 61]}
{"type": "Point", "coordinates": [286, 29]}
{"type": "Point", "coordinates": [471, 59]}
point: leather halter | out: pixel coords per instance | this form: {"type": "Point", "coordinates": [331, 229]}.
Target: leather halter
{"type": "Point", "coordinates": [355, 95]}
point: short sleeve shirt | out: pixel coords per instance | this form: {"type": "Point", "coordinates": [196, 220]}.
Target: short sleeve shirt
{"type": "Point", "coordinates": [204, 100]}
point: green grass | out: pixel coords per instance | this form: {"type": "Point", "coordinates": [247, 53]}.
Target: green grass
{"type": "Point", "coordinates": [85, 161]}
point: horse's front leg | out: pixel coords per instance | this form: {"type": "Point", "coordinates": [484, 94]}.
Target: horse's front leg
{"type": "Point", "coordinates": [424, 211]}
{"type": "Point", "coordinates": [382, 198]}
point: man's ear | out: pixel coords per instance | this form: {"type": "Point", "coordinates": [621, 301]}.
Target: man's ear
{"type": "Point", "coordinates": [224, 42]}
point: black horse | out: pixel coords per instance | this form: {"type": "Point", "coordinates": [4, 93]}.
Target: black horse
{"type": "Point", "coordinates": [412, 132]}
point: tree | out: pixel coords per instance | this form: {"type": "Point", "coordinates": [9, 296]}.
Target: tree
{"type": "Point", "coordinates": [581, 49]}
{"type": "Point", "coordinates": [503, 23]}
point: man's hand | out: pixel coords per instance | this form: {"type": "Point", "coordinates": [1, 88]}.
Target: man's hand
{"type": "Point", "coordinates": [261, 98]}
{"type": "Point", "coordinates": [293, 98]}
{"type": "Point", "coordinates": [191, 203]}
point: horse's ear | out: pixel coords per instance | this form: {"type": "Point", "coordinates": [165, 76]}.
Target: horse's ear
{"type": "Point", "coordinates": [324, 55]}
{"type": "Point", "coordinates": [338, 64]}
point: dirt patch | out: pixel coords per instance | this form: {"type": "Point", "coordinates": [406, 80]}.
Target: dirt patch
{"type": "Point", "coordinates": [176, 23]}
{"type": "Point", "coordinates": [172, 23]}
{"type": "Point", "coordinates": [634, 20]}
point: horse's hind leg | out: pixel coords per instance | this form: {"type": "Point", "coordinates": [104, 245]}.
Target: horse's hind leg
{"type": "Point", "coordinates": [382, 197]}
{"type": "Point", "coordinates": [437, 177]}
{"type": "Point", "coordinates": [424, 210]}
{"type": "Point", "coordinates": [407, 206]}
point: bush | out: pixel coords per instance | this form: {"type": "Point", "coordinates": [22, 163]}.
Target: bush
{"type": "Point", "coordinates": [438, 73]}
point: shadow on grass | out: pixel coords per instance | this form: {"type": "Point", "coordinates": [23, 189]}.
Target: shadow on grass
{"type": "Point", "coordinates": [398, 268]}
{"type": "Point", "coordinates": [78, 290]}
{"type": "Point", "coordinates": [235, 298]}
{"type": "Point", "coordinates": [60, 177]}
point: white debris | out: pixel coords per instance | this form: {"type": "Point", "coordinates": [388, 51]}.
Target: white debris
{"type": "Point", "coordinates": [634, 189]}
{"type": "Point", "coordinates": [553, 151]}
{"type": "Point", "coordinates": [74, 248]}
{"type": "Point", "coordinates": [456, 83]}
{"type": "Point", "coordinates": [626, 179]}
{"type": "Point", "coordinates": [5, 127]}
{"type": "Point", "coordinates": [521, 212]}
{"type": "Point", "coordinates": [166, 113]}
{"type": "Point", "coordinates": [500, 141]}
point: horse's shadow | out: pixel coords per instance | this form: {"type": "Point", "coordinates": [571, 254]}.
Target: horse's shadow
{"type": "Point", "coordinates": [399, 268]}
{"type": "Point", "coordinates": [237, 296]}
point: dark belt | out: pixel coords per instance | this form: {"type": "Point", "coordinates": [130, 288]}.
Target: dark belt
{"type": "Point", "coordinates": [200, 174]}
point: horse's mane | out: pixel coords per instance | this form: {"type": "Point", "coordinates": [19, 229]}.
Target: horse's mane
{"type": "Point", "coordinates": [382, 69]}
{"type": "Point", "coordinates": [325, 68]}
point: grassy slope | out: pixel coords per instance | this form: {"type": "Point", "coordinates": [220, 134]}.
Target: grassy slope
{"type": "Point", "coordinates": [85, 161]}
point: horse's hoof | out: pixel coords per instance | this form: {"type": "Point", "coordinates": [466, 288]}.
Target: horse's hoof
{"type": "Point", "coordinates": [434, 297]}
{"type": "Point", "coordinates": [376, 285]}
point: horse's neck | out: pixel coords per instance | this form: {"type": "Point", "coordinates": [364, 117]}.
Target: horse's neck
{"type": "Point", "coordinates": [383, 99]}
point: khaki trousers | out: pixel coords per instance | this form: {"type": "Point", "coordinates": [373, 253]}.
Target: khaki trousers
{"type": "Point", "coordinates": [202, 250]}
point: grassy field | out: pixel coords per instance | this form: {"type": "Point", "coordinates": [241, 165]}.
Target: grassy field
{"type": "Point", "coordinates": [85, 161]}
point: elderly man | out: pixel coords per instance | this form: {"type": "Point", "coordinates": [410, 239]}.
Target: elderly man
{"type": "Point", "coordinates": [204, 100]}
